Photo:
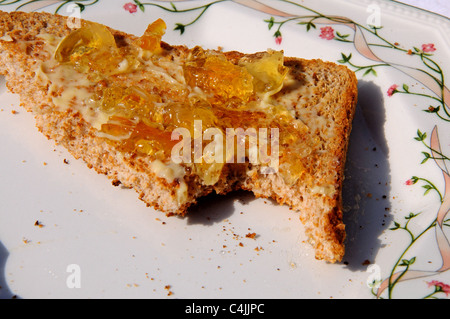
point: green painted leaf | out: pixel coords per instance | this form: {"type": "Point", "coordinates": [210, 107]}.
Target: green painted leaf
{"type": "Point", "coordinates": [367, 71]}
{"type": "Point", "coordinates": [140, 5]}
{"type": "Point", "coordinates": [420, 136]}
{"type": "Point", "coordinates": [81, 6]}
{"type": "Point", "coordinates": [396, 226]}
{"type": "Point", "coordinates": [410, 216]}
{"type": "Point", "coordinates": [427, 157]}
{"type": "Point", "coordinates": [342, 36]}
{"type": "Point", "coordinates": [270, 22]}
{"type": "Point", "coordinates": [405, 262]}
{"type": "Point", "coordinates": [179, 27]}
{"type": "Point", "coordinates": [346, 58]}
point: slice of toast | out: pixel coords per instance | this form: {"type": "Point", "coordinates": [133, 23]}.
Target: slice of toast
{"type": "Point", "coordinates": [126, 106]}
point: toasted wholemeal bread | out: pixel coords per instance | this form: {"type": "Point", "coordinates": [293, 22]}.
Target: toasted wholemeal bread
{"type": "Point", "coordinates": [118, 112]}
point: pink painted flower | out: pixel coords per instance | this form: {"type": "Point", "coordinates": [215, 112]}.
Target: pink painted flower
{"type": "Point", "coordinates": [130, 7]}
{"type": "Point", "coordinates": [409, 182]}
{"type": "Point", "coordinates": [392, 89]}
{"type": "Point", "coordinates": [440, 285]}
{"type": "Point", "coordinates": [428, 47]}
{"type": "Point", "coordinates": [327, 33]}
{"type": "Point", "coordinates": [278, 39]}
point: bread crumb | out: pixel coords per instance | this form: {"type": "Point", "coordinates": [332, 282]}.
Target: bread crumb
{"type": "Point", "coordinates": [366, 262]}
{"type": "Point", "coordinates": [38, 224]}
{"type": "Point", "coordinates": [168, 287]}
{"type": "Point", "coordinates": [251, 235]}
{"type": "Point", "coordinates": [116, 182]}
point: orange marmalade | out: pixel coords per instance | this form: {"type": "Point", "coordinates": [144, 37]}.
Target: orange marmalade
{"type": "Point", "coordinates": [136, 94]}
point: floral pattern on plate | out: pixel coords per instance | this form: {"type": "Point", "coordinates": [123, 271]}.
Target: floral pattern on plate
{"type": "Point", "coordinates": [426, 70]}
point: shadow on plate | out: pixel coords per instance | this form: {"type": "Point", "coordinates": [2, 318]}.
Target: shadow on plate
{"type": "Point", "coordinates": [367, 180]}
{"type": "Point", "coordinates": [215, 208]}
{"type": "Point", "coordinates": [5, 293]}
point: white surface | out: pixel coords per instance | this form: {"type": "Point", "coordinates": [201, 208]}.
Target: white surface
{"type": "Point", "coordinates": [438, 6]}
{"type": "Point", "coordinates": [127, 250]}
